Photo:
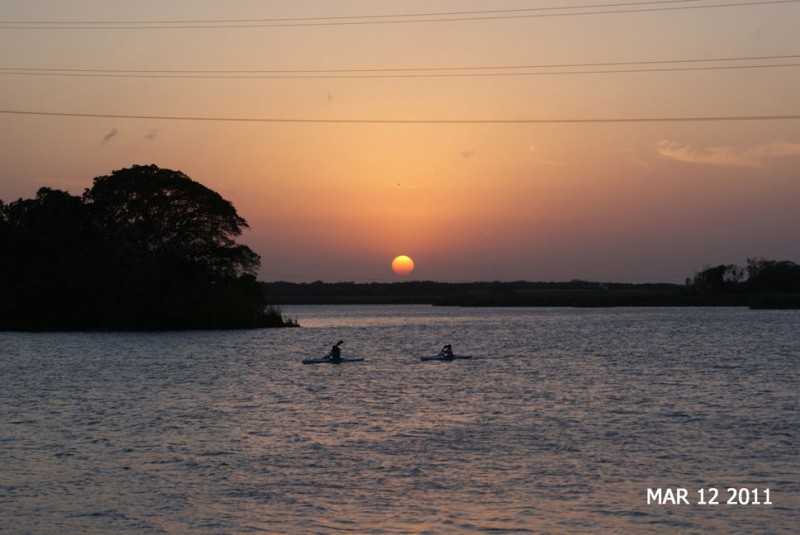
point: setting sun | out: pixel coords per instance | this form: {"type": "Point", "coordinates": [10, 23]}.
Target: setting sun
{"type": "Point", "coordinates": [402, 265]}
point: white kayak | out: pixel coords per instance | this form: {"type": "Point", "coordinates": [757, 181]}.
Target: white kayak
{"type": "Point", "coordinates": [442, 357]}
{"type": "Point", "coordinates": [329, 361]}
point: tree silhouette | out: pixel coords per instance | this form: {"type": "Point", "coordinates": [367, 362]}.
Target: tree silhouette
{"type": "Point", "coordinates": [42, 263]}
{"type": "Point", "coordinates": [163, 216]}
{"type": "Point", "coordinates": [773, 276]}
{"type": "Point", "coordinates": [144, 248]}
{"type": "Point", "coordinates": [719, 279]}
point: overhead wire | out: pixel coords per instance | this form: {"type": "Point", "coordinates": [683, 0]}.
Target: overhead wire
{"type": "Point", "coordinates": [724, 118]}
{"type": "Point", "coordinates": [427, 72]}
{"type": "Point", "coordinates": [406, 69]}
{"type": "Point", "coordinates": [380, 19]}
{"type": "Point", "coordinates": [672, 65]}
{"type": "Point", "coordinates": [279, 75]}
{"type": "Point", "coordinates": [355, 17]}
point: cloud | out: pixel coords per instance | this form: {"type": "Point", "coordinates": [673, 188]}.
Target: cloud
{"type": "Point", "coordinates": [727, 156]}
{"type": "Point", "coordinates": [535, 155]}
{"type": "Point", "coordinates": [111, 135]}
{"type": "Point", "coordinates": [467, 153]}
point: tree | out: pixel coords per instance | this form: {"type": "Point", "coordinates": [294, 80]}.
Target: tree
{"type": "Point", "coordinates": [159, 215]}
{"type": "Point", "coordinates": [144, 248]}
{"type": "Point", "coordinates": [773, 276]}
{"type": "Point", "coordinates": [717, 280]}
{"type": "Point", "coordinates": [172, 242]}
{"type": "Point", "coordinates": [42, 263]}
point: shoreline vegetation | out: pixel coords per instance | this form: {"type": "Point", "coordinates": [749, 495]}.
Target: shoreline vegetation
{"type": "Point", "coordinates": [576, 298]}
{"type": "Point", "coordinates": [143, 249]}
{"type": "Point", "coordinates": [763, 284]}
{"type": "Point", "coordinates": [495, 295]}
{"type": "Point", "coordinates": [273, 317]}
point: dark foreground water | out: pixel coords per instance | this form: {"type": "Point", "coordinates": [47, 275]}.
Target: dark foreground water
{"type": "Point", "coordinates": [560, 424]}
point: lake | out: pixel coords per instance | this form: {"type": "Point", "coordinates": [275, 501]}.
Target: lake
{"type": "Point", "coordinates": [564, 421]}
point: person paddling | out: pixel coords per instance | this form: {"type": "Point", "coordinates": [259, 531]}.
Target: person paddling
{"type": "Point", "coordinates": [335, 354]}
{"type": "Point", "coordinates": [447, 352]}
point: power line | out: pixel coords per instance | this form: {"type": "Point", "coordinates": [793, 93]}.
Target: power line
{"type": "Point", "coordinates": [377, 19]}
{"type": "Point", "coordinates": [727, 118]}
{"type": "Point", "coordinates": [411, 69]}
{"type": "Point", "coordinates": [356, 17]}
{"type": "Point", "coordinates": [10, 71]}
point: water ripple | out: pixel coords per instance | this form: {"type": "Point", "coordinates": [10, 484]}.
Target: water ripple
{"type": "Point", "coordinates": [558, 425]}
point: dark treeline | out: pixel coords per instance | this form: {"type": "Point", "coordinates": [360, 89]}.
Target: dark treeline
{"type": "Point", "coordinates": [422, 292]}
{"type": "Point", "coordinates": [143, 248]}
{"type": "Point", "coordinates": [517, 293]}
{"type": "Point", "coordinates": [462, 293]}
{"type": "Point", "coordinates": [762, 284]}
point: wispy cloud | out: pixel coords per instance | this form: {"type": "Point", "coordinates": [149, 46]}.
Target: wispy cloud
{"type": "Point", "coordinates": [538, 157]}
{"type": "Point", "coordinates": [108, 137]}
{"type": "Point", "coordinates": [727, 156]}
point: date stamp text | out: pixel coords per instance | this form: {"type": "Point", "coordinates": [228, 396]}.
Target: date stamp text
{"type": "Point", "coordinates": [708, 496]}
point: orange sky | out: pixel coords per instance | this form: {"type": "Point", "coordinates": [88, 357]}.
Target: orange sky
{"type": "Point", "coordinates": [622, 201]}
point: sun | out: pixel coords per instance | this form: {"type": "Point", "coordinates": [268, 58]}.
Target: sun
{"type": "Point", "coordinates": [402, 265]}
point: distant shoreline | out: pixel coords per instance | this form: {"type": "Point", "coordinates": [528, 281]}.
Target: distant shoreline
{"type": "Point", "coordinates": [578, 294]}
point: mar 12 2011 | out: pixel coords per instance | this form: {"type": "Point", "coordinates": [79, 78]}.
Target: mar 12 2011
{"type": "Point", "coordinates": [708, 496]}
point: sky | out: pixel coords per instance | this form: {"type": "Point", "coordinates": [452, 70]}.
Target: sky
{"type": "Point", "coordinates": [347, 132]}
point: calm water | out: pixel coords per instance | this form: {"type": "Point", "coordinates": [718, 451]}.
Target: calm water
{"type": "Point", "coordinates": [560, 424]}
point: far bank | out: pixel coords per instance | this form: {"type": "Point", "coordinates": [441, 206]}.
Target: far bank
{"type": "Point", "coordinates": [520, 294]}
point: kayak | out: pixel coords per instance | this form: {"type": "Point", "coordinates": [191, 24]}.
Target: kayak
{"type": "Point", "coordinates": [441, 357]}
{"type": "Point", "coordinates": [329, 361]}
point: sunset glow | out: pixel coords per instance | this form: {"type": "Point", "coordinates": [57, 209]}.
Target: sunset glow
{"type": "Point", "coordinates": [340, 147]}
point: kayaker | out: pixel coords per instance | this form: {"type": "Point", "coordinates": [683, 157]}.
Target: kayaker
{"type": "Point", "coordinates": [335, 353]}
{"type": "Point", "coordinates": [447, 352]}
